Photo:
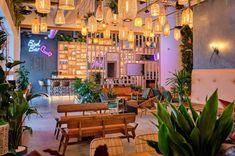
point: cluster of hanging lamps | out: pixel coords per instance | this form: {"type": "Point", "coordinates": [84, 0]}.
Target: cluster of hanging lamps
{"type": "Point", "coordinates": [43, 6]}
{"type": "Point", "coordinates": [66, 4]}
{"type": "Point", "coordinates": [123, 33]}
{"type": "Point", "coordinates": [59, 18]}
{"type": "Point", "coordinates": [162, 16]}
{"type": "Point", "coordinates": [131, 36]}
{"type": "Point", "coordinates": [106, 33]}
{"type": "Point", "coordinates": [148, 23]}
{"type": "Point", "coordinates": [177, 34]}
{"type": "Point", "coordinates": [187, 17]}
{"type": "Point", "coordinates": [43, 24]}
{"type": "Point", "coordinates": [92, 24]}
{"type": "Point", "coordinates": [35, 26]}
{"type": "Point", "coordinates": [158, 27]}
{"type": "Point", "coordinates": [138, 21]}
{"type": "Point", "coordinates": [183, 2]}
{"type": "Point", "coordinates": [167, 29]}
{"type": "Point", "coordinates": [99, 13]}
{"type": "Point", "coordinates": [127, 9]}
{"type": "Point", "coordinates": [155, 9]}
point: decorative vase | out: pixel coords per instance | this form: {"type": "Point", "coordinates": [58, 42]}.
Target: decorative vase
{"type": "Point", "coordinates": [4, 132]}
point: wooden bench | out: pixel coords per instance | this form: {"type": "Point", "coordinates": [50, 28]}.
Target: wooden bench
{"type": "Point", "coordinates": [99, 125]}
{"type": "Point", "coordinates": [75, 108]}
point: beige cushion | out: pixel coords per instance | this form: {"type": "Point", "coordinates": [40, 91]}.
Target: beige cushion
{"type": "Point", "coordinates": [206, 81]}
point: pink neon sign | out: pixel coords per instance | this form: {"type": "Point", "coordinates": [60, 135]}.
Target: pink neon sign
{"type": "Point", "coordinates": [43, 49]}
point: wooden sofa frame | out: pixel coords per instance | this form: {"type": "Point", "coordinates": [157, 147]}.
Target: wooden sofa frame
{"type": "Point", "coordinates": [99, 125]}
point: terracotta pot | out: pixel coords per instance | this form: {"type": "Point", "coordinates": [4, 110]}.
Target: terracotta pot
{"type": "Point", "coordinates": [21, 150]}
{"type": "Point", "coordinates": [4, 132]}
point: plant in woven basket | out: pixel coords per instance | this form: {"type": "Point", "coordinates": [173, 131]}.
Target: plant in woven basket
{"type": "Point", "coordinates": [189, 134]}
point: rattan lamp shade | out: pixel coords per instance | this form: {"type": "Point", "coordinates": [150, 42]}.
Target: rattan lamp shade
{"type": "Point", "coordinates": [148, 23]}
{"type": "Point", "coordinates": [158, 27]}
{"type": "Point", "coordinates": [177, 34]}
{"type": "Point", "coordinates": [167, 29]}
{"type": "Point", "coordinates": [60, 19]}
{"type": "Point", "coordinates": [35, 26]}
{"type": "Point", "coordinates": [43, 6]}
{"type": "Point", "coordinates": [138, 22]}
{"type": "Point", "coordinates": [66, 4]}
{"type": "Point", "coordinates": [155, 9]}
{"type": "Point", "coordinates": [127, 9]}
{"type": "Point", "coordinates": [43, 24]}
{"type": "Point", "coordinates": [92, 24]}
{"type": "Point", "coordinates": [123, 33]}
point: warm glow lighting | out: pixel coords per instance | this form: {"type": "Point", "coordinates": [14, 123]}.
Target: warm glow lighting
{"type": "Point", "coordinates": [95, 40]}
{"type": "Point", "coordinates": [148, 23]}
{"type": "Point", "coordinates": [106, 33]}
{"type": "Point", "coordinates": [155, 9]}
{"type": "Point", "coordinates": [146, 33]}
{"type": "Point", "coordinates": [123, 33]}
{"type": "Point", "coordinates": [162, 16]}
{"type": "Point", "coordinates": [92, 24]}
{"type": "Point", "coordinates": [35, 26]}
{"type": "Point", "coordinates": [115, 19]}
{"type": "Point", "coordinates": [109, 16]}
{"type": "Point", "coordinates": [78, 21]}
{"type": "Point", "coordinates": [84, 31]}
{"type": "Point", "coordinates": [43, 24]}
{"type": "Point", "coordinates": [127, 9]}
{"type": "Point", "coordinates": [182, 2]}
{"type": "Point", "coordinates": [138, 22]}
{"type": "Point", "coordinates": [59, 18]}
{"type": "Point", "coordinates": [177, 34]}
{"type": "Point", "coordinates": [187, 17]}
{"type": "Point", "coordinates": [151, 34]}
{"type": "Point", "coordinates": [131, 36]}
{"type": "Point", "coordinates": [43, 6]}
{"type": "Point", "coordinates": [166, 31]}
{"type": "Point", "coordinates": [104, 26]}
{"type": "Point", "coordinates": [66, 4]}
{"type": "Point", "coordinates": [99, 13]}
{"type": "Point", "coordinates": [158, 27]}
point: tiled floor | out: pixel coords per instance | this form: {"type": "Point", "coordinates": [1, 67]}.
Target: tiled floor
{"type": "Point", "coordinates": [43, 129]}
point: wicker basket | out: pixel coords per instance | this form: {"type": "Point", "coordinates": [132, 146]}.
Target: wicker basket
{"type": "Point", "coordinates": [4, 131]}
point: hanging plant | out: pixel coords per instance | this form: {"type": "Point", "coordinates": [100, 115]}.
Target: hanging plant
{"type": "Point", "coordinates": [113, 4]}
{"type": "Point", "coordinates": [187, 50]}
{"type": "Point", "coordinates": [15, 6]}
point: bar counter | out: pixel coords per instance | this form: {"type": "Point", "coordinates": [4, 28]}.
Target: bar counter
{"type": "Point", "coordinates": [60, 86]}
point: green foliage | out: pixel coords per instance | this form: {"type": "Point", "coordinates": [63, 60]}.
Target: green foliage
{"type": "Point", "coordinates": [22, 78]}
{"type": "Point", "coordinates": [97, 77]}
{"type": "Point", "coordinates": [111, 94]}
{"type": "Point", "coordinates": [14, 9]}
{"type": "Point", "coordinates": [68, 38]}
{"type": "Point", "coordinates": [189, 134]}
{"type": "Point", "coordinates": [179, 82]}
{"type": "Point", "coordinates": [136, 88]}
{"type": "Point", "coordinates": [87, 90]}
{"type": "Point", "coordinates": [3, 38]}
{"type": "Point", "coordinates": [87, 16]}
{"type": "Point", "coordinates": [113, 4]}
{"type": "Point", "coordinates": [187, 50]}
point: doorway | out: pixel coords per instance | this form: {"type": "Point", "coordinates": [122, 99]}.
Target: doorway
{"type": "Point", "coordinates": [112, 70]}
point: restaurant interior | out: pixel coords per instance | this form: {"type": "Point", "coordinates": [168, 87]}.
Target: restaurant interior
{"type": "Point", "coordinates": [117, 77]}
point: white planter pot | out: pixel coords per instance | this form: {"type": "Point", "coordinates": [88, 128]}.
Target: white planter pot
{"type": "Point", "coordinates": [4, 132]}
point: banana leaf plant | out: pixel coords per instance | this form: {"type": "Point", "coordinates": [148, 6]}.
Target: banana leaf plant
{"type": "Point", "coordinates": [186, 133]}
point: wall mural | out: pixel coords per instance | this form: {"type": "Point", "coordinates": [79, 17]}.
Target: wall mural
{"type": "Point", "coordinates": [40, 55]}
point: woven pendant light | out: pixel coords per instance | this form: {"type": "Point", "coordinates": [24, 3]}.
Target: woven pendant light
{"type": "Point", "coordinates": [158, 27]}
{"type": "Point", "coordinates": [109, 16]}
{"type": "Point", "coordinates": [43, 6]}
{"type": "Point", "coordinates": [146, 33]}
{"type": "Point", "coordinates": [148, 23]}
{"type": "Point", "coordinates": [60, 19]}
{"type": "Point", "coordinates": [127, 9]}
{"type": "Point", "coordinates": [43, 24]}
{"type": "Point", "coordinates": [78, 21]}
{"type": "Point", "coordinates": [138, 21]}
{"type": "Point", "coordinates": [131, 36]}
{"type": "Point", "coordinates": [162, 16]}
{"type": "Point", "coordinates": [187, 17]}
{"type": "Point", "coordinates": [123, 33]}
{"type": "Point", "coordinates": [115, 19]}
{"type": "Point", "coordinates": [155, 9]}
{"type": "Point", "coordinates": [182, 2]}
{"type": "Point", "coordinates": [35, 26]}
{"type": "Point", "coordinates": [66, 4]}
{"type": "Point", "coordinates": [99, 13]}
{"type": "Point", "coordinates": [84, 31]}
{"type": "Point", "coordinates": [166, 30]}
{"type": "Point", "coordinates": [177, 34]}
{"type": "Point", "coordinates": [106, 33]}
{"type": "Point", "coordinates": [92, 24]}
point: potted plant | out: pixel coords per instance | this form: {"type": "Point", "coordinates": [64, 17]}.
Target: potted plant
{"type": "Point", "coordinates": [189, 134]}
{"type": "Point", "coordinates": [22, 78]}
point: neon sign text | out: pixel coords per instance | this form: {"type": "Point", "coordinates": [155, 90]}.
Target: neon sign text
{"type": "Point", "coordinates": [36, 47]}
{"type": "Point", "coordinates": [43, 49]}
